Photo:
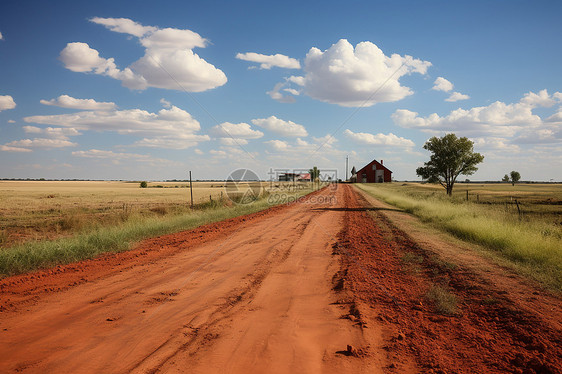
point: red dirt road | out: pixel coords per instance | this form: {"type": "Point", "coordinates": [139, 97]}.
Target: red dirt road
{"type": "Point", "coordinates": [281, 291]}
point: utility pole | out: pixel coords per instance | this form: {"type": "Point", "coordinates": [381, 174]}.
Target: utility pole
{"type": "Point", "coordinates": [191, 189]}
{"type": "Point", "coordinates": [346, 165]}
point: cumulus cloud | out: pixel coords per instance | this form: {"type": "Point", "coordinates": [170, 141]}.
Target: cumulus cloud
{"type": "Point", "coordinates": [169, 61]}
{"type": "Point", "coordinates": [281, 127]}
{"type": "Point", "coordinates": [65, 101]}
{"type": "Point", "coordinates": [7, 102]}
{"type": "Point", "coordinates": [542, 99]}
{"type": "Point", "coordinates": [233, 141]}
{"type": "Point", "coordinates": [124, 25]}
{"type": "Point", "coordinates": [360, 76]}
{"type": "Point", "coordinates": [165, 103]}
{"type": "Point", "coordinates": [52, 132]}
{"type": "Point", "coordinates": [278, 145]}
{"type": "Point", "coordinates": [169, 128]}
{"type": "Point", "coordinates": [11, 121]}
{"type": "Point", "coordinates": [298, 80]}
{"type": "Point", "coordinates": [79, 57]}
{"type": "Point", "coordinates": [41, 143]}
{"type": "Point", "coordinates": [1, 36]}
{"type": "Point", "coordinates": [268, 61]}
{"type": "Point", "coordinates": [390, 139]}
{"type": "Point", "coordinates": [457, 96]}
{"type": "Point", "coordinates": [442, 84]}
{"type": "Point", "coordinates": [235, 131]}
{"type": "Point", "coordinates": [6, 148]}
{"type": "Point", "coordinates": [500, 120]}
{"type": "Point", "coordinates": [276, 94]}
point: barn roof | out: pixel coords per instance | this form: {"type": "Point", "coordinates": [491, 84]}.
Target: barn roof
{"type": "Point", "coordinates": [379, 164]}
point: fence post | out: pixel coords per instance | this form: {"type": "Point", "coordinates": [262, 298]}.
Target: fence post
{"type": "Point", "coordinates": [191, 189]}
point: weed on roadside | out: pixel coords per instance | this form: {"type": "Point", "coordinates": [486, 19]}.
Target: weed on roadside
{"type": "Point", "coordinates": [443, 300]}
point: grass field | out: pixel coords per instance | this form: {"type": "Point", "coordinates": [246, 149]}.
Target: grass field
{"type": "Point", "coordinates": [521, 224]}
{"type": "Point", "coordinates": [37, 210]}
{"type": "Point", "coordinates": [84, 219]}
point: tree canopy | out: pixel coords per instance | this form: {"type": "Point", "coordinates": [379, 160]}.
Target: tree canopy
{"type": "Point", "coordinates": [515, 176]}
{"type": "Point", "coordinates": [451, 157]}
{"type": "Point", "coordinates": [314, 173]}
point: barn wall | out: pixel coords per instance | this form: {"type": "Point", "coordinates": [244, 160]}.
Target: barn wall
{"type": "Point", "coordinates": [368, 170]}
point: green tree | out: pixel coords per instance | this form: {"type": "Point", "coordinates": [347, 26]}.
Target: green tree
{"type": "Point", "coordinates": [515, 176]}
{"type": "Point", "coordinates": [505, 178]}
{"type": "Point", "coordinates": [143, 184]}
{"type": "Point", "coordinates": [314, 173]}
{"type": "Point", "coordinates": [451, 157]}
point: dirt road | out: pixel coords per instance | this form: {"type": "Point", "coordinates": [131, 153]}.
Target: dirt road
{"type": "Point", "coordinates": [281, 291]}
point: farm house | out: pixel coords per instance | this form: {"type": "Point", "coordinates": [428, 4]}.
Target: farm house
{"type": "Point", "coordinates": [373, 172]}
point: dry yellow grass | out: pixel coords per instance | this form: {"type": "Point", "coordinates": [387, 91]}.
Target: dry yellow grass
{"type": "Point", "coordinates": [35, 210]}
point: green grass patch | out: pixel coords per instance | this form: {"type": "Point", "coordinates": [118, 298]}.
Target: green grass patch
{"type": "Point", "coordinates": [531, 246]}
{"type": "Point", "coordinates": [443, 300]}
{"type": "Point", "coordinates": [117, 238]}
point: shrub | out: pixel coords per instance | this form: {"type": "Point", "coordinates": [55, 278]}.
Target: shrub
{"type": "Point", "coordinates": [143, 184]}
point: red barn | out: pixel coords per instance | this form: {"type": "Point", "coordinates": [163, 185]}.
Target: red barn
{"type": "Point", "coordinates": [374, 172]}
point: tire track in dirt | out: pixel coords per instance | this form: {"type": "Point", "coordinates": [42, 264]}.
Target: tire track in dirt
{"type": "Point", "coordinates": [489, 334]}
{"type": "Point", "coordinates": [254, 297]}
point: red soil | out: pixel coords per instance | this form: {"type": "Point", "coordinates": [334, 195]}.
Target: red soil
{"type": "Point", "coordinates": [323, 285]}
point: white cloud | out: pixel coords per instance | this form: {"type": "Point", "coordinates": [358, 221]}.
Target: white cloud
{"type": "Point", "coordinates": [218, 153]}
{"type": "Point", "coordinates": [495, 144]}
{"type": "Point", "coordinates": [442, 84]}
{"type": "Point", "coordinates": [124, 25]}
{"type": "Point", "coordinates": [298, 80]}
{"type": "Point", "coordinates": [281, 127]}
{"type": "Point", "coordinates": [360, 76]}
{"type": "Point", "coordinates": [556, 117]}
{"type": "Point", "coordinates": [65, 101]}
{"type": "Point", "coordinates": [378, 139]}
{"type": "Point", "coordinates": [235, 130]}
{"type": "Point", "coordinates": [182, 142]}
{"type": "Point", "coordinates": [165, 103]}
{"type": "Point", "coordinates": [6, 102]}
{"type": "Point", "coordinates": [278, 145]}
{"type": "Point", "coordinates": [41, 143]}
{"type": "Point", "coordinates": [275, 94]}
{"type": "Point", "coordinates": [79, 57]}
{"type": "Point", "coordinates": [168, 63]}
{"type": "Point", "coordinates": [325, 141]}
{"type": "Point", "coordinates": [198, 151]}
{"type": "Point", "coordinates": [53, 132]}
{"type": "Point", "coordinates": [499, 120]}
{"type": "Point", "coordinates": [169, 128]}
{"type": "Point", "coordinates": [1, 36]}
{"type": "Point", "coordinates": [268, 61]}
{"type": "Point", "coordinates": [292, 91]}
{"type": "Point", "coordinates": [542, 99]}
{"type": "Point", "coordinates": [233, 141]}
{"type": "Point", "coordinates": [457, 96]}
{"type": "Point", "coordinates": [6, 148]}
{"type": "Point", "coordinates": [11, 121]}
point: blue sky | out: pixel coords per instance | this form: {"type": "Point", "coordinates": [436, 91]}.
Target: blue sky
{"type": "Point", "coordinates": [138, 90]}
